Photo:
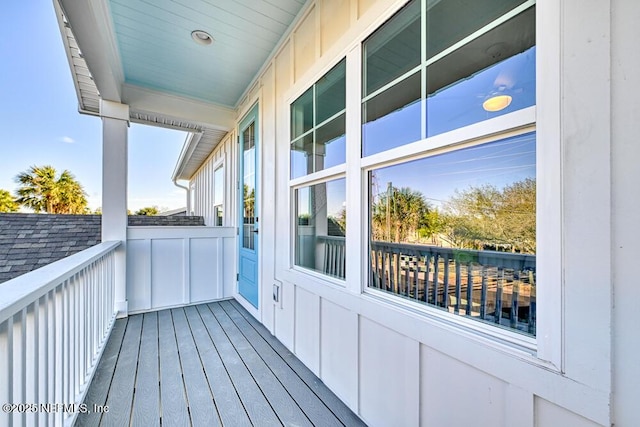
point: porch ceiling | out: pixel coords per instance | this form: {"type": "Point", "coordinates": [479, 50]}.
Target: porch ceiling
{"type": "Point", "coordinates": [141, 53]}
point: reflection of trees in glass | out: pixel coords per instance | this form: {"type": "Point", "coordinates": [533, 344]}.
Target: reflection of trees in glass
{"type": "Point", "coordinates": [338, 223]}
{"type": "Point", "coordinates": [401, 214]}
{"type": "Point", "coordinates": [489, 218]}
{"type": "Point", "coordinates": [483, 217]}
{"type": "Point", "coordinates": [249, 198]}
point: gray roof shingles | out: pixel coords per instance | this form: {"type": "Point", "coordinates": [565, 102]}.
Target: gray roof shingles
{"type": "Point", "coordinates": [30, 241]}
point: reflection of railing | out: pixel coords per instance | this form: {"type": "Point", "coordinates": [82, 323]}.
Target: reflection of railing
{"type": "Point", "coordinates": [54, 323]}
{"type": "Point", "coordinates": [497, 287]}
{"type": "Point", "coordinates": [334, 255]}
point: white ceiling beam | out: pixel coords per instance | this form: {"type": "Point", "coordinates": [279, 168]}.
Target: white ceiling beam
{"type": "Point", "coordinates": [206, 114]}
{"type": "Point", "coordinates": [90, 22]}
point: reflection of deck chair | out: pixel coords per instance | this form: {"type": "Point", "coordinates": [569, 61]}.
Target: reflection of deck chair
{"type": "Point", "coordinates": [475, 307]}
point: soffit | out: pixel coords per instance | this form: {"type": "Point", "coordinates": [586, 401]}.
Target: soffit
{"type": "Point", "coordinates": [157, 52]}
{"type": "Point", "coordinates": [196, 150]}
{"type": "Point", "coordinates": [141, 53]}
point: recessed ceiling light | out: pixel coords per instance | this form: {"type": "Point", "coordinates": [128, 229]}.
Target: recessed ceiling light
{"type": "Point", "coordinates": [201, 37]}
{"type": "Point", "coordinates": [497, 102]}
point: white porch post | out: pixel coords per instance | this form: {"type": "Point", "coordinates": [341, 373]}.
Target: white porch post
{"type": "Point", "coordinates": [115, 123]}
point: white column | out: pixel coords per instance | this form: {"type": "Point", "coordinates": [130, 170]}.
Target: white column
{"type": "Point", "coordinates": [115, 123]}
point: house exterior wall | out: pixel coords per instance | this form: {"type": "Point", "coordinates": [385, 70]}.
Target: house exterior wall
{"type": "Point", "coordinates": [394, 365]}
{"type": "Point", "coordinates": [203, 182]}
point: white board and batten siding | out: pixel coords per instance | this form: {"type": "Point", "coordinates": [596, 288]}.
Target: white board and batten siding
{"type": "Point", "coordinates": [223, 155]}
{"type": "Point", "coordinates": [174, 266]}
{"type": "Point", "coordinates": [394, 365]}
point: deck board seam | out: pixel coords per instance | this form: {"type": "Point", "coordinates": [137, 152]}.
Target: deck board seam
{"type": "Point", "coordinates": [113, 374]}
{"type": "Point", "coordinates": [252, 321]}
{"type": "Point", "coordinates": [184, 385]}
{"type": "Point", "coordinates": [135, 380]}
{"type": "Point", "coordinates": [246, 366]}
{"type": "Point", "coordinates": [235, 389]}
{"type": "Point", "coordinates": [272, 371]}
{"type": "Point", "coordinates": [204, 371]}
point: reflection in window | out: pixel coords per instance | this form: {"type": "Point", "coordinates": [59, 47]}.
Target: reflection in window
{"type": "Point", "coordinates": [457, 231]}
{"type": "Point", "coordinates": [218, 196]}
{"type": "Point", "coordinates": [470, 57]}
{"type": "Point", "coordinates": [459, 84]}
{"type": "Point", "coordinates": [318, 125]}
{"type": "Point", "coordinates": [248, 185]}
{"type": "Point", "coordinates": [320, 227]}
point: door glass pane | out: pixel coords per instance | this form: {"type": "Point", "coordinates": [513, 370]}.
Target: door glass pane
{"type": "Point", "coordinates": [392, 50]}
{"type": "Point", "coordinates": [248, 185]}
{"type": "Point", "coordinates": [321, 227]}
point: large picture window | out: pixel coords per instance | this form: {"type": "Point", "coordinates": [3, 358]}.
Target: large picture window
{"type": "Point", "coordinates": [453, 225]}
{"type": "Point", "coordinates": [318, 143]}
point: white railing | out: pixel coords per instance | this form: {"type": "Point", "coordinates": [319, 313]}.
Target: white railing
{"type": "Point", "coordinates": [54, 323]}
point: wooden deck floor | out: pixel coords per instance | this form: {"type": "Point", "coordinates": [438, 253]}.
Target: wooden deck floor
{"type": "Point", "coordinates": [206, 365]}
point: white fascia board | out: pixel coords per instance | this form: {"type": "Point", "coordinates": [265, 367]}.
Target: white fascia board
{"type": "Point", "coordinates": [67, 49]}
{"type": "Point", "coordinates": [208, 115]}
{"type": "Point", "coordinates": [90, 22]}
{"type": "Point", "coordinates": [190, 144]}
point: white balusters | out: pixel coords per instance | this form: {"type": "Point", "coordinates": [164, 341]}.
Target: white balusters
{"type": "Point", "coordinates": [54, 322]}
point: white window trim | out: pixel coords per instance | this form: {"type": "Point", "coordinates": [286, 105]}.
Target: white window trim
{"type": "Point", "coordinates": [547, 347]}
{"type": "Point", "coordinates": [318, 177]}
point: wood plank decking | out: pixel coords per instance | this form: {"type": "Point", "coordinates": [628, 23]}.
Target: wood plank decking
{"type": "Point", "coordinates": [206, 365]}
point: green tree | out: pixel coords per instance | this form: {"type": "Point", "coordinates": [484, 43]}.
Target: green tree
{"type": "Point", "coordinates": [7, 202]}
{"type": "Point", "coordinates": [148, 211]}
{"type": "Point", "coordinates": [43, 190]}
{"type": "Point", "coordinates": [486, 216]}
{"type": "Point", "coordinates": [400, 214]}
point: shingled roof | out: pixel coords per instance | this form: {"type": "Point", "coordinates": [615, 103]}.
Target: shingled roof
{"type": "Point", "coordinates": [31, 241]}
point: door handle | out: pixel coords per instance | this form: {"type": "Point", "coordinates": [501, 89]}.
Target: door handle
{"type": "Point", "coordinates": [256, 231]}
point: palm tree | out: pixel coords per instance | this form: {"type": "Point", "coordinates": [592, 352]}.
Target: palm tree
{"type": "Point", "coordinates": [399, 215]}
{"type": "Point", "coordinates": [42, 190]}
{"type": "Point", "coordinates": [7, 202]}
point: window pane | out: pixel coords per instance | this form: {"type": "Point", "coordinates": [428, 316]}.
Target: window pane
{"type": "Point", "coordinates": [498, 65]}
{"type": "Point", "coordinates": [321, 226]}
{"type": "Point", "coordinates": [457, 231]}
{"type": "Point", "coordinates": [393, 49]}
{"type": "Point", "coordinates": [302, 156]}
{"type": "Point", "coordinates": [330, 144]}
{"type": "Point", "coordinates": [302, 114]}
{"type": "Point", "coordinates": [450, 21]}
{"type": "Point", "coordinates": [218, 186]}
{"type": "Point", "coordinates": [217, 216]}
{"type": "Point", "coordinates": [329, 149]}
{"type": "Point", "coordinates": [330, 93]}
{"type": "Point", "coordinates": [392, 118]}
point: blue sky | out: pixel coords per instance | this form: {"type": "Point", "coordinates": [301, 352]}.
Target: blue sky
{"type": "Point", "coordinates": [40, 124]}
